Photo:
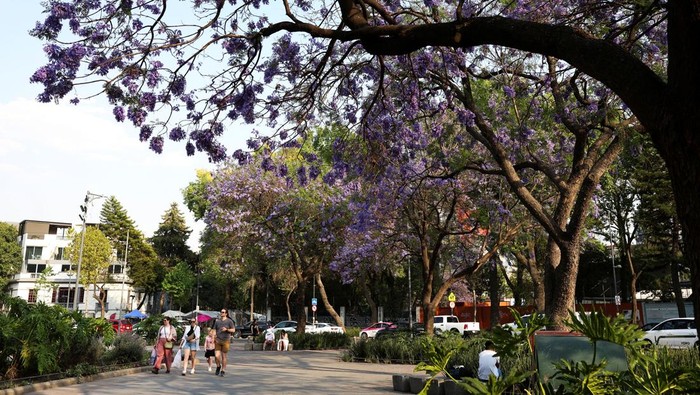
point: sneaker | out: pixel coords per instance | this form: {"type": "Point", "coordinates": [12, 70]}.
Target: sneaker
{"type": "Point", "coordinates": [218, 370]}
{"type": "Point", "coordinates": [192, 371]}
{"type": "Point", "coordinates": [154, 370]}
{"type": "Point", "coordinates": [222, 373]}
{"type": "Point", "coordinates": [209, 369]}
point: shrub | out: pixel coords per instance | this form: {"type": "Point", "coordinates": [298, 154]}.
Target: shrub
{"type": "Point", "coordinates": [40, 339]}
{"type": "Point", "coordinates": [126, 348]}
{"type": "Point", "coordinates": [319, 341]}
{"type": "Point", "coordinates": [399, 348]}
{"type": "Point", "coordinates": [352, 331]}
{"type": "Point", "coordinates": [148, 328]}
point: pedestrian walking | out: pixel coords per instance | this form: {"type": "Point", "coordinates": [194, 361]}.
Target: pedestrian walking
{"type": "Point", "coordinates": [209, 345]}
{"type": "Point", "coordinates": [190, 339]}
{"type": "Point", "coordinates": [224, 327]}
{"type": "Point", "coordinates": [164, 346]}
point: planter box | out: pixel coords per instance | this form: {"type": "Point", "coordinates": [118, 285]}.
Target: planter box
{"type": "Point", "coordinates": [416, 383]}
{"type": "Point", "coordinates": [436, 387]}
{"type": "Point", "coordinates": [400, 382]}
{"type": "Point", "coordinates": [452, 388]}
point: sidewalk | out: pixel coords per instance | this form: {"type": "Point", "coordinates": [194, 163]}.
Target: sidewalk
{"type": "Point", "coordinates": [250, 372]}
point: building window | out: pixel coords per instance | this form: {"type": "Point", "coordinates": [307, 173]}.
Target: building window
{"type": "Point", "coordinates": [67, 268]}
{"type": "Point", "coordinates": [62, 233]}
{"type": "Point", "coordinates": [115, 269]}
{"type": "Point", "coordinates": [31, 299]}
{"type": "Point", "coordinates": [35, 269]}
{"type": "Point", "coordinates": [33, 252]}
{"type": "Point", "coordinates": [60, 251]}
{"type": "Point", "coordinates": [63, 295]}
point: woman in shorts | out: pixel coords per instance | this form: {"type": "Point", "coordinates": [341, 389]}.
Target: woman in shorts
{"type": "Point", "coordinates": [190, 345]}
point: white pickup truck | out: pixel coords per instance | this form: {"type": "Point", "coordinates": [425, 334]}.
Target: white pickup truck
{"type": "Point", "coordinates": [444, 323]}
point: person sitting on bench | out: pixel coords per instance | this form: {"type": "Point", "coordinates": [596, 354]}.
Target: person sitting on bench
{"type": "Point", "coordinates": [269, 340]}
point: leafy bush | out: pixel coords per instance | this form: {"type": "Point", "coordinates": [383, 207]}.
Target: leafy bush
{"type": "Point", "coordinates": [651, 370]}
{"type": "Point", "coordinates": [320, 341]}
{"type": "Point", "coordinates": [352, 331]}
{"type": "Point", "coordinates": [126, 348]}
{"type": "Point", "coordinates": [148, 328]}
{"type": "Point", "coordinates": [399, 348]}
{"type": "Point", "coordinates": [40, 339]}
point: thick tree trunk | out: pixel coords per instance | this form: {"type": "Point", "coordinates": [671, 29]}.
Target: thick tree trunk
{"type": "Point", "coordinates": [494, 293]}
{"type": "Point", "coordinates": [287, 304]}
{"type": "Point", "coordinates": [326, 303]}
{"type": "Point", "coordinates": [561, 273]}
{"type": "Point", "coordinates": [685, 176]}
{"type": "Point", "coordinates": [364, 286]}
{"type": "Point", "coordinates": [299, 304]}
{"type": "Point", "coordinates": [529, 261]}
{"type": "Point", "coordinates": [678, 136]}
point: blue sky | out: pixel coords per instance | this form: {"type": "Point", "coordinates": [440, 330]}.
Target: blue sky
{"type": "Point", "coordinates": [52, 154]}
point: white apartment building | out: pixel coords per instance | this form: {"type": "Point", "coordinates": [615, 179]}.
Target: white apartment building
{"type": "Point", "coordinates": [43, 247]}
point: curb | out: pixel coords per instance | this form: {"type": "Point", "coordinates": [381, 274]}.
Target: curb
{"type": "Point", "coordinates": [27, 389]}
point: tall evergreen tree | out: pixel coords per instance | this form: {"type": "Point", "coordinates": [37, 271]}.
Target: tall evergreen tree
{"type": "Point", "coordinates": [170, 240]}
{"type": "Point", "coordinates": [115, 224]}
{"type": "Point", "coordinates": [142, 266]}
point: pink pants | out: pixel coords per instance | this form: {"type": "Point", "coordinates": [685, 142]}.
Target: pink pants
{"type": "Point", "coordinates": [161, 353]}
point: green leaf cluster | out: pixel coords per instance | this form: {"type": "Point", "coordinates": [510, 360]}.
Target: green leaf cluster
{"type": "Point", "coordinates": [10, 253]}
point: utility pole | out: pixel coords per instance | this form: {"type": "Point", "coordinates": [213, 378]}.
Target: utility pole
{"type": "Point", "coordinates": [89, 197]}
{"type": "Point", "coordinates": [124, 263]}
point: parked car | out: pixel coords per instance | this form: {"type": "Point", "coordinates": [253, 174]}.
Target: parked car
{"type": "Point", "coordinates": [287, 326]}
{"type": "Point", "coordinates": [401, 329]}
{"type": "Point", "coordinates": [125, 327]}
{"type": "Point", "coordinates": [371, 331]}
{"type": "Point", "coordinates": [324, 327]}
{"type": "Point", "coordinates": [450, 323]}
{"type": "Point", "coordinates": [674, 333]}
{"type": "Point", "coordinates": [245, 330]}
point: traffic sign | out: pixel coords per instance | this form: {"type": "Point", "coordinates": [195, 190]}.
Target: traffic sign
{"type": "Point", "coordinates": [452, 305]}
{"type": "Point", "coordinates": [314, 301]}
{"type": "Point", "coordinates": [313, 308]}
{"type": "Point", "coordinates": [451, 297]}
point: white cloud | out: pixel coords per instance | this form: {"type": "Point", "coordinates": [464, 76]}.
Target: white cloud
{"type": "Point", "coordinates": [53, 154]}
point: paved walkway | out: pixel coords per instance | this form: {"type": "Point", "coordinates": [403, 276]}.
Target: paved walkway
{"type": "Point", "coordinates": [256, 372]}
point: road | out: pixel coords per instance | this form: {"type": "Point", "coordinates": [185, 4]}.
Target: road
{"type": "Point", "coordinates": [261, 372]}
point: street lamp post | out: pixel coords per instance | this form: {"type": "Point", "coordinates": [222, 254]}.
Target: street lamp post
{"type": "Point", "coordinates": [89, 197]}
{"type": "Point", "coordinates": [124, 263]}
{"type": "Point", "coordinates": [616, 297]}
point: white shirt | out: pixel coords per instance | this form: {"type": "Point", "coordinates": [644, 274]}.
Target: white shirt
{"type": "Point", "coordinates": [487, 365]}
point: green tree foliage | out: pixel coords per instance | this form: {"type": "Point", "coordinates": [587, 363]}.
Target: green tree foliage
{"type": "Point", "coordinates": [179, 282]}
{"type": "Point", "coordinates": [143, 267]}
{"type": "Point", "coordinates": [96, 258]}
{"type": "Point", "coordinates": [170, 239]}
{"type": "Point", "coordinates": [10, 253]}
{"type": "Point", "coordinates": [195, 194]}
{"type": "Point", "coordinates": [41, 339]}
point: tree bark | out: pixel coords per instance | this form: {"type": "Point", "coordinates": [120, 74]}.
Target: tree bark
{"type": "Point", "coordinates": [326, 303]}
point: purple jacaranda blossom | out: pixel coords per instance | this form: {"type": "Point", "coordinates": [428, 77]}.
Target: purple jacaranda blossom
{"type": "Point", "coordinates": [156, 144]}
{"type": "Point", "coordinates": [118, 112]}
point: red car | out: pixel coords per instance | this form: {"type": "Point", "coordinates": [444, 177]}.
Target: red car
{"type": "Point", "coordinates": [126, 326]}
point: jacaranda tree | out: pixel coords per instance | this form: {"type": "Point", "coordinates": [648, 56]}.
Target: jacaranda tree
{"type": "Point", "coordinates": [295, 65]}
{"type": "Point", "coordinates": [288, 213]}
